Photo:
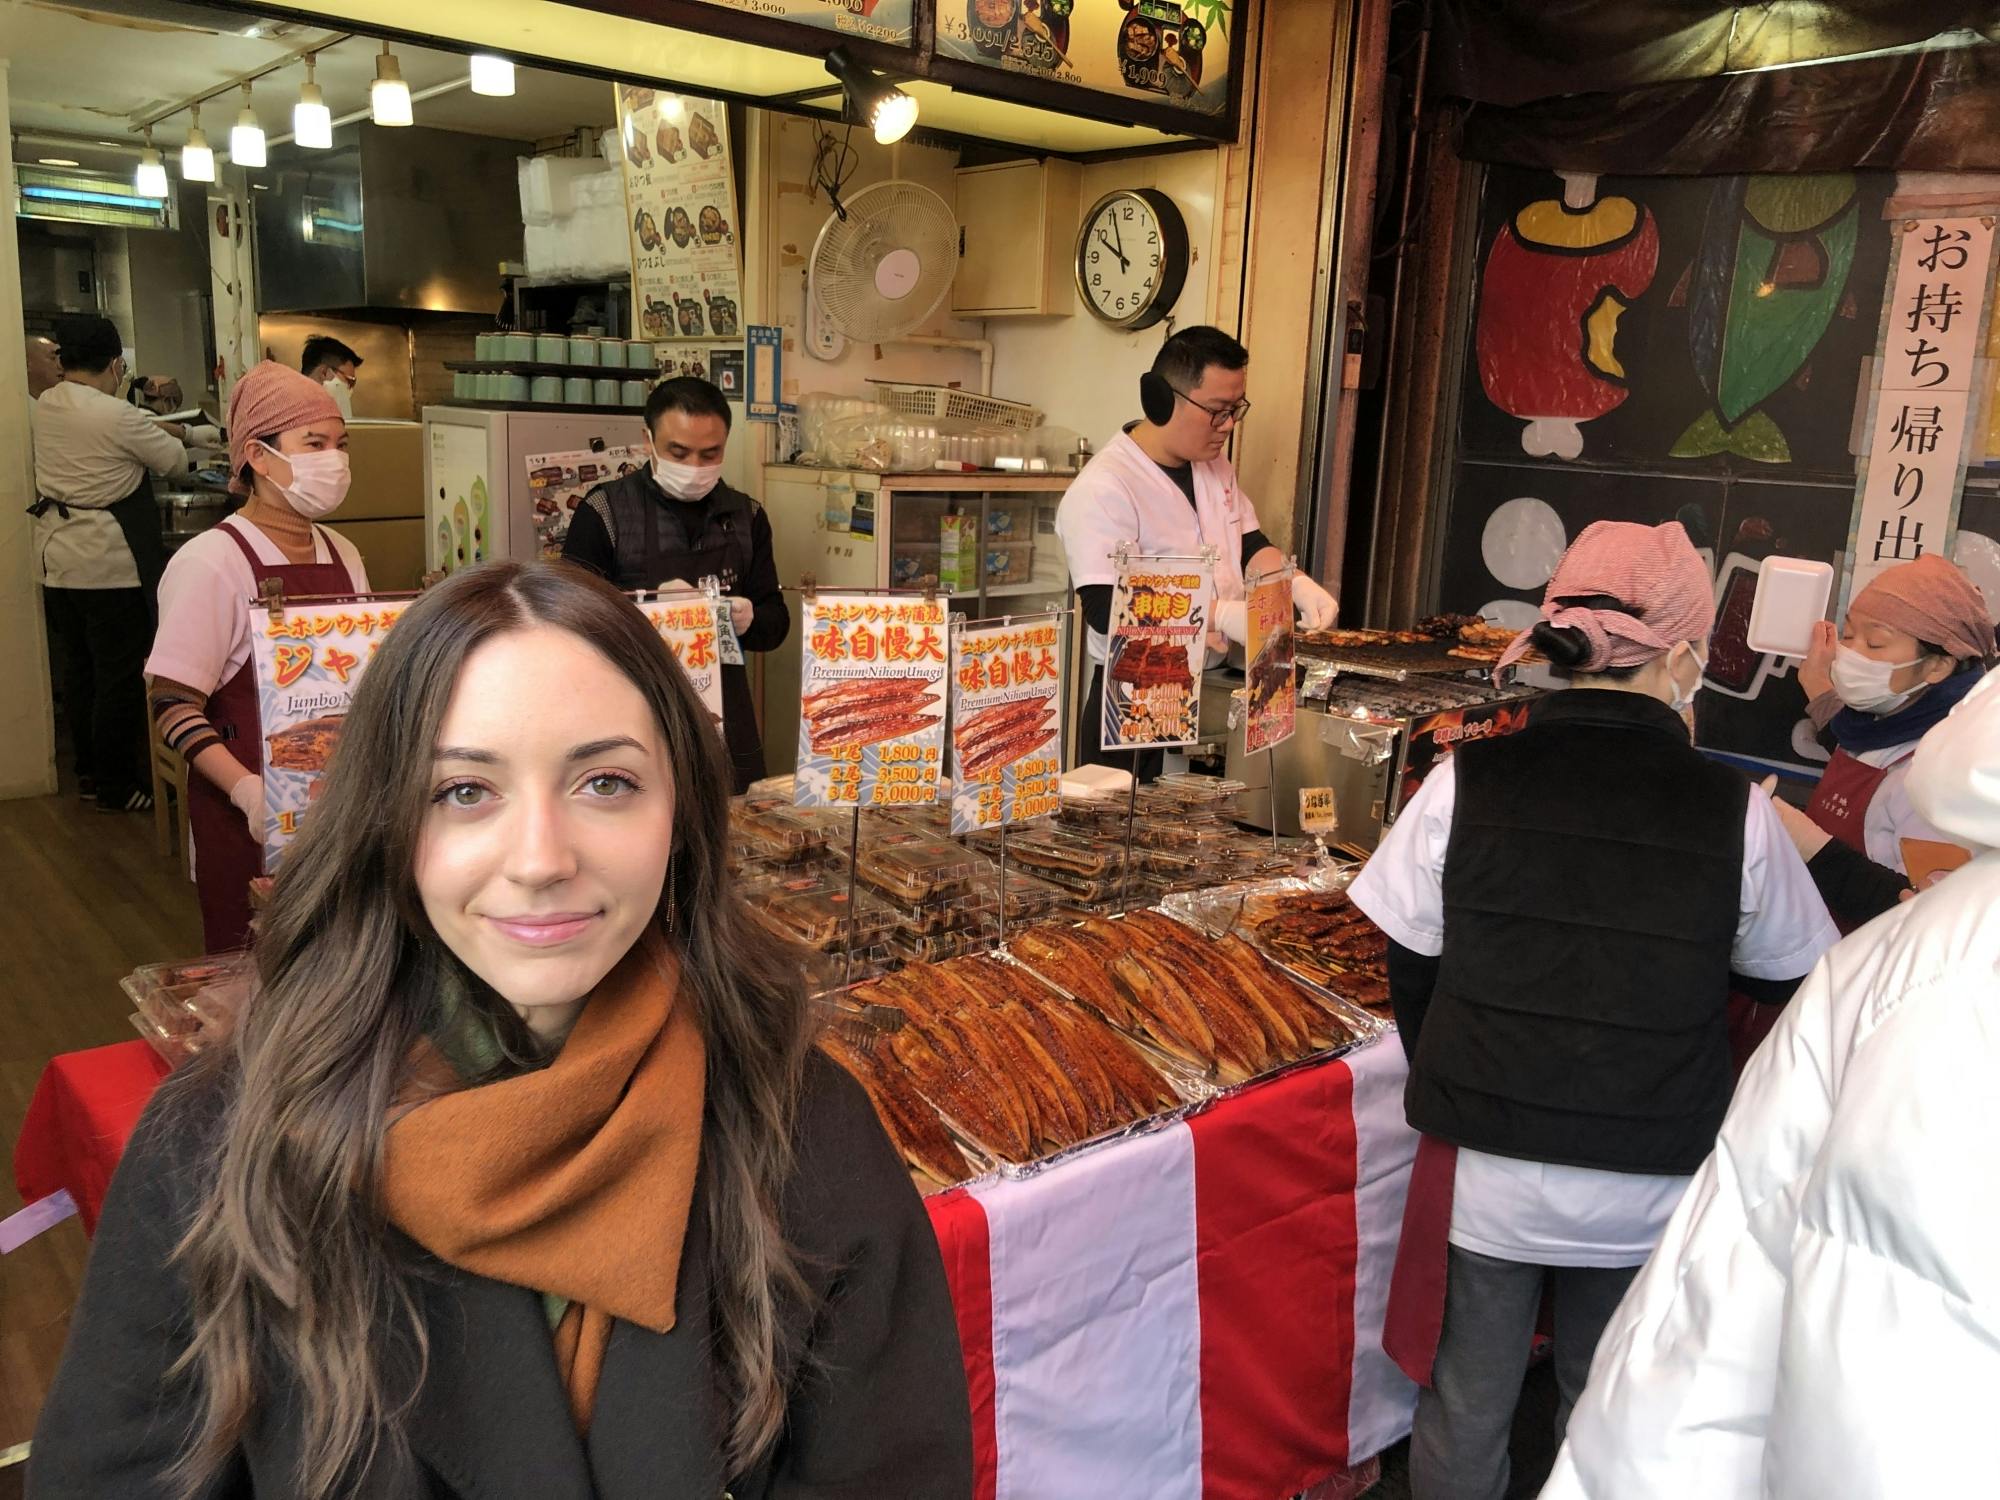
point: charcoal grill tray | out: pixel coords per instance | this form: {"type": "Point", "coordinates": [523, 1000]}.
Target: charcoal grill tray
{"type": "Point", "coordinates": [1396, 663]}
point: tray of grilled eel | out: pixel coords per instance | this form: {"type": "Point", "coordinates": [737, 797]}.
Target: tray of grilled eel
{"type": "Point", "coordinates": [983, 1065]}
{"type": "Point", "coordinates": [1213, 1003]}
{"type": "Point", "coordinates": [1308, 926]}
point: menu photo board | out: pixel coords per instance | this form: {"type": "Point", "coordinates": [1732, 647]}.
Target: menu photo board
{"type": "Point", "coordinates": [1158, 645]}
{"type": "Point", "coordinates": [1170, 52]}
{"type": "Point", "coordinates": [308, 658]}
{"type": "Point", "coordinates": [687, 622]}
{"type": "Point", "coordinates": [557, 483]}
{"type": "Point", "coordinates": [680, 203]}
{"type": "Point", "coordinates": [871, 700]}
{"type": "Point", "coordinates": [1006, 722]}
{"type": "Point", "coordinates": [1271, 676]}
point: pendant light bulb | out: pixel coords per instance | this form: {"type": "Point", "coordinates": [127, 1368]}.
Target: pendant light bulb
{"type": "Point", "coordinates": [389, 96]}
{"type": "Point", "coordinates": [871, 98]}
{"type": "Point", "coordinates": [312, 121]}
{"type": "Point", "coordinates": [246, 141]}
{"type": "Point", "coordinates": [492, 76]}
{"type": "Point", "coordinates": [151, 179]}
{"type": "Point", "coordinates": [197, 156]}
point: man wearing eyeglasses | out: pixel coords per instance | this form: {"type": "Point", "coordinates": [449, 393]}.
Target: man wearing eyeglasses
{"type": "Point", "coordinates": [1163, 486]}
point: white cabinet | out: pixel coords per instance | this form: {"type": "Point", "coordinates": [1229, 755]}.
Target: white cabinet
{"type": "Point", "coordinates": [1017, 240]}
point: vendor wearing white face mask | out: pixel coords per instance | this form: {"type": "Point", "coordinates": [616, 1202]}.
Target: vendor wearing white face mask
{"type": "Point", "coordinates": [1914, 643]}
{"type": "Point", "coordinates": [1568, 910]}
{"type": "Point", "coordinates": [678, 523]}
{"type": "Point", "coordinates": [288, 453]}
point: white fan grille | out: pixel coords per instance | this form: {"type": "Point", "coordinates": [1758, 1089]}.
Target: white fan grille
{"type": "Point", "coordinates": [882, 270]}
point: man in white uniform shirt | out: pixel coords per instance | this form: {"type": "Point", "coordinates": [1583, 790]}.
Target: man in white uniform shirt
{"type": "Point", "coordinates": [1163, 486]}
{"type": "Point", "coordinates": [98, 541]}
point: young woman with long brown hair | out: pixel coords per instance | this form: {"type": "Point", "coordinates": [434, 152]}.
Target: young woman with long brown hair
{"type": "Point", "coordinates": [519, 1176]}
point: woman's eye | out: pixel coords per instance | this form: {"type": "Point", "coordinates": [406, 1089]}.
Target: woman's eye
{"type": "Point", "coordinates": [461, 794]}
{"type": "Point", "coordinates": [607, 785]}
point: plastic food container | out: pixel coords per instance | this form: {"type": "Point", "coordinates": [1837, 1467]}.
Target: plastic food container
{"type": "Point", "coordinates": [1792, 595]}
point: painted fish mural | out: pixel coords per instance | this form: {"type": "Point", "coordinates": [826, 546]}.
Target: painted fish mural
{"type": "Point", "coordinates": [1559, 276]}
{"type": "Point", "coordinates": [1767, 280]}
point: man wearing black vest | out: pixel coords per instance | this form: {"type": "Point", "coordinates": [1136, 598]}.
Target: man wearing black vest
{"type": "Point", "coordinates": [676, 522]}
{"type": "Point", "coordinates": [1568, 910]}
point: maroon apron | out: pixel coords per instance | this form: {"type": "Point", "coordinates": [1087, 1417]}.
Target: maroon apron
{"type": "Point", "coordinates": [1840, 804]}
{"type": "Point", "coordinates": [227, 856]}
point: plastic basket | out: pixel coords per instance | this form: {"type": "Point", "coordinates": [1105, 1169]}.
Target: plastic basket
{"type": "Point", "coordinates": [938, 403]}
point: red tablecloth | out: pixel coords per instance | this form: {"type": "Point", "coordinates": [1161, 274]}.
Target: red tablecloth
{"type": "Point", "coordinates": [84, 1108]}
{"type": "Point", "coordinates": [1191, 1313]}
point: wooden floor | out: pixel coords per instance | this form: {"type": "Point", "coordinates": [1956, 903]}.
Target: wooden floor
{"type": "Point", "coordinates": [84, 900]}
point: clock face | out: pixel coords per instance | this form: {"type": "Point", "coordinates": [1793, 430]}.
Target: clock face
{"type": "Point", "coordinates": [1131, 259]}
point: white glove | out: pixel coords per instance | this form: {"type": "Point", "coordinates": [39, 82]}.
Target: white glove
{"type": "Point", "coordinates": [248, 797]}
{"type": "Point", "coordinates": [1231, 619]}
{"type": "Point", "coordinates": [204, 436]}
{"type": "Point", "coordinates": [1317, 608]}
{"type": "Point", "coordinates": [739, 613]}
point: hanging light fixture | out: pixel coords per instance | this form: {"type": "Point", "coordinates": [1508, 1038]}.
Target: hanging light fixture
{"type": "Point", "coordinates": [312, 121]}
{"type": "Point", "coordinates": [492, 76]}
{"type": "Point", "coordinates": [389, 96]}
{"type": "Point", "coordinates": [246, 141]}
{"type": "Point", "coordinates": [197, 157]}
{"type": "Point", "coordinates": [886, 109]}
{"type": "Point", "coordinates": [151, 178]}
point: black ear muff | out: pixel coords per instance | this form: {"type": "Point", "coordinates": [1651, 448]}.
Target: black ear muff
{"type": "Point", "coordinates": [1156, 399]}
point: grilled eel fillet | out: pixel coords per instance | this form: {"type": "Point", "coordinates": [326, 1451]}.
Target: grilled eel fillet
{"type": "Point", "coordinates": [872, 731]}
{"type": "Point", "coordinates": [860, 690]}
{"type": "Point", "coordinates": [912, 1125]}
{"type": "Point", "coordinates": [1074, 963]}
{"type": "Point", "coordinates": [1164, 1008]}
{"type": "Point", "coordinates": [1000, 752]}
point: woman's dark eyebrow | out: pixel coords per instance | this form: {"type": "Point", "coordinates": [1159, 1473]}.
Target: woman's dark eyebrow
{"type": "Point", "coordinates": [589, 751]}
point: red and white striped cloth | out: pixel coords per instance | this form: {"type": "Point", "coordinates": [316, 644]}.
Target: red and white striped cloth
{"type": "Point", "coordinates": [1193, 1314]}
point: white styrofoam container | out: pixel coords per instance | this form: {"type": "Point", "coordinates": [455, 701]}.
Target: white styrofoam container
{"type": "Point", "coordinates": [1792, 595]}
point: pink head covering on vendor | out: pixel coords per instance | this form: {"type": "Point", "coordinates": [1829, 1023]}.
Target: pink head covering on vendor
{"type": "Point", "coordinates": [1632, 592]}
{"type": "Point", "coordinates": [270, 399]}
{"type": "Point", "coordinates": [1933, 600]}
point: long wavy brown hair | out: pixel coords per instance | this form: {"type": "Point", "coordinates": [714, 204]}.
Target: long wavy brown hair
{"type": "Point", "coordinates": [290, 1260]}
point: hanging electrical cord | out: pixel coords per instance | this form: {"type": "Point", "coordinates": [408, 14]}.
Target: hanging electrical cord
{"type": "Point", "coordinates": [834, 164]}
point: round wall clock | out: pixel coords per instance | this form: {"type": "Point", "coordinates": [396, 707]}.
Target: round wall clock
{"type": "Point", "coordinates": [1132, 257]}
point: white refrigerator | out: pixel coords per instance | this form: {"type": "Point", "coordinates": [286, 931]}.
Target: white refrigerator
{"type": "Point", "coordinates": [504, 483]}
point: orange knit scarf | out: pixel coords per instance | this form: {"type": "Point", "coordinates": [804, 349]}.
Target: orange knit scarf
{"type": "Point", "coordinates": [576, 1180]}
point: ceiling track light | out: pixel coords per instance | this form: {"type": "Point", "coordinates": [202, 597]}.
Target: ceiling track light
{"type": "Point", "coordinates": [151, 179]}
{"type": "Point", "coordinates": [312, 121]}
{"type": "Point", "coordinates": [389, 96]}
{"type": "Point", "coordinates": [197, 156]}
{"type": "Point", "coordinates": [492, 76]}
{"type": "Point", "coordinates": [871, 98]}
{"type": "Point", "coordinates": [246, 141]}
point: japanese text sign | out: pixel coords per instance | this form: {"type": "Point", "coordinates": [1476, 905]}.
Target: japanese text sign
{"type": "Point", "coordinates": [871, 700]}
{"type": "Point", "coordinates": [1006, 717]}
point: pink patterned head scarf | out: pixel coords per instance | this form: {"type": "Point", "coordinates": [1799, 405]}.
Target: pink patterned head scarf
{"type": "Point", "coordinates": [271, 398]}
{"type": "Point", "coordinates": [1932, 600]}
{"type": "Point", "coordinates": [1653, 571]}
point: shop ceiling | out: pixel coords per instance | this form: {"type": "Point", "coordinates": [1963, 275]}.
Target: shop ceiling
{"type": "Point", "coordinates": [92, 75]}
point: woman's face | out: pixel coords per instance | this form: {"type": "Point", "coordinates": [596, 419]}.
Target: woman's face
{"type": "Point", "coordinates": [1868, 636]}
{"type": "Point", "coordinates": [545, 847]}
{"type": "Point", "coordinates": [328, 433]}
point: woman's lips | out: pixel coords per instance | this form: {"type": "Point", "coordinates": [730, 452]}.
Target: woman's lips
{"type": "Point", "coordinates": [543, 932]}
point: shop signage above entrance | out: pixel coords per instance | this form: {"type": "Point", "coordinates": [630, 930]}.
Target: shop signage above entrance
{"type": "Point", "coordinates": [1173, 53]}
{"type": "Point", "coordinates": [889, 21]}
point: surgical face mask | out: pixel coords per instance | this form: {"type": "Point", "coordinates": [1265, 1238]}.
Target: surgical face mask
{"type": "Point", "coordinates": [686, 481]}
{"type": "Point", "coordinates": [319, 481]}
{"type": "Point", "coordinates": [1684, 698]}
{"type": "Point", "coordinates": [1862, 682]}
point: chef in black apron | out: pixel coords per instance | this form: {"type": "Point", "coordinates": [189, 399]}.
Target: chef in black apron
{"type": "Point", "coordinates": [676, 522]}
{"type": "Point", "coordinates": [99, 545]}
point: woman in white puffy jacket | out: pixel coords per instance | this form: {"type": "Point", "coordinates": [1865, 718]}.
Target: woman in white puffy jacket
{"type": "Point", "coordinates": [1823, 1316]}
